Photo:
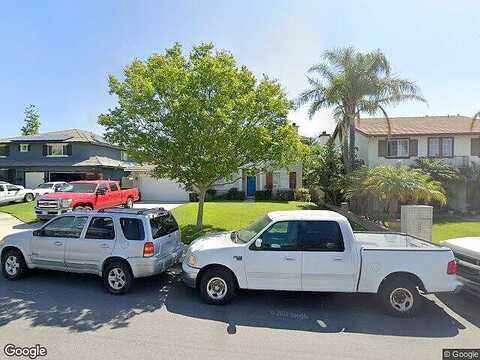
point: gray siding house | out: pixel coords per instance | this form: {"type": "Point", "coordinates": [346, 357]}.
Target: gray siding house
{"type": "Point", "coordinates": [66, 155]}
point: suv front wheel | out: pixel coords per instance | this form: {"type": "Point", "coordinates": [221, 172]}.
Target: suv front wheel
{"type": "Point", "coordinates": [13, 265]}
{"type": "Point", "coordinates": [117, 278]}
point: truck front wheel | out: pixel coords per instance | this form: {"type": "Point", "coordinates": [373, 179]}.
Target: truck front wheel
{"type": "Point", "coordinates": [217, 286]}
{"type": "Point", "coordinates": [400, 297]}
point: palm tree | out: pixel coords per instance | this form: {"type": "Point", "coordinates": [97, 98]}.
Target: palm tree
{"type": "Point", "coordinates": [393, 184]}
{"type": "Point", "coordinates": [475, 117]}
{"type": "Point", "coordinates": [351, 83]}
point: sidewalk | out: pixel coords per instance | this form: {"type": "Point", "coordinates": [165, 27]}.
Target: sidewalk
{"type": "Point", "coordinates": [10, 225]}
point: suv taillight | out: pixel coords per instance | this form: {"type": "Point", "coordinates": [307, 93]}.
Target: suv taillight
{"type": "Point", "coordinates": [452, 267]}
{"type": "Point", "coordinates": [148, 249]}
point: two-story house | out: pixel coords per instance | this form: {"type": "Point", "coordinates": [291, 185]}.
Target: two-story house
{"type": "Point", "coordinates": [66, 155]}
{"type": "Point", "coordinates": [451, 139]}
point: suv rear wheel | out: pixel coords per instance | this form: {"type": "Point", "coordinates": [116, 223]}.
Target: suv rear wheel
{"type": "Point", "coordinates": [217, 286]}
{"type": "Point", "coordinates": [117, 278]}
{"type": "Point", "coordinates": [13, 265]}
{"type": "Point", "coordinates": [401, 298]}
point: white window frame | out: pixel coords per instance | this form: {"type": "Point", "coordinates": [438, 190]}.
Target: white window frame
{"type": "Point", "coordinates": [276, 185]}
{"type": "Point", "coordinates": [397, 142]}
{"type": "Point", "coordinates": [123, 155]}
{"type": "Point", "coordinates": [24, 147]}
{"type": "Point", "coordinates": [64, 147]}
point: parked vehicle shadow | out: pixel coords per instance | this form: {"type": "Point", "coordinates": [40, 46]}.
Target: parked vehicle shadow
{"type": "Point", "coordinates": [80, 304]}
{"type": "Point", "coordinates": [77, 302]}
{"type": "Point", "coordinates": [313, 312]}
{"type": "Point", "coordinates": [464, 304]}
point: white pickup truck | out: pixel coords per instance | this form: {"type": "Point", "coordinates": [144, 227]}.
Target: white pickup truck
{"type": "Point", "coordinates": [318, 251]}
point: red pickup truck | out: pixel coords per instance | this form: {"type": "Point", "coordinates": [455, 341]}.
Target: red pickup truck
{"type": "Point", "coordinates": [85, 195]}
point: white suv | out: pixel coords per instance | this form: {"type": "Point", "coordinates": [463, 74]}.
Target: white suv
{"type": "Point", "coordinates": [117, 244]}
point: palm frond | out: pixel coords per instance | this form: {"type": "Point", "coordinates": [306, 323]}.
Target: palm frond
{"type": "Point", "coordinates": [475, 117]}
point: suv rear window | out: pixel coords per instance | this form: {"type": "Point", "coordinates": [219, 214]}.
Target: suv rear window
{"type": "Point", "coordinates": [163, 225]}
{"type": "Point", "coordinates": [132, 229]}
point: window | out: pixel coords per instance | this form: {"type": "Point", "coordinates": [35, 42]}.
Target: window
{"type": "Point", "coordinates": [248, 233]}
{"type": "Point", "coordinates": [292, 180]}
{"type": "Point", "coordinates": [57, 150]}
{"type": "Point", "coordinates": [321, 236]}
{"type": "Point", "coordinates": [163, 225]}
{"type": "Point", "coordinates": [280, 236]}
{"type": "Point", "coordinates": [123, 156]}
{"type": "Point", "coordinates": [101, 228]}
{"type": "Point", "coordinates": [276, 180]}
{"type": "Point", "coordinates": [2, 188]}
{"type": "Point", "coordinates": [4, 150]}
{"type": "Point", "coordinates": [24, 148]}
{"type": "Point", "coordinates": [66, 226]}
{"type": "Point", "coordinates": [113, 187]}
{"type": "Point", "coordinates": [132, 229]}
{"type": "Point", "coordinates": [398, 148]}
{"type": "Point", "coordinates": [12, 188]}
{"type": "Point", "coordinates": [440, 147]}
{"type": "Point", "coordinates": [86, 188]}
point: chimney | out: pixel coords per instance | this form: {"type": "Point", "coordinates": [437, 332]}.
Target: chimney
{"type": "Point", "coordinates": [323, 138]}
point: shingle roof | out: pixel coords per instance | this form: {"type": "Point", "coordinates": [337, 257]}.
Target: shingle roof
{"type": "Point", "coordinates": [424, 125]}
{"type": "Point", "coordinates": [71, 135]}
{"type": "Point", "coordinates": [105, 162]}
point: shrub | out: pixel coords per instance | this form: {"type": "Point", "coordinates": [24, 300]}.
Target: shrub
{"type": "Point", "coordinates": [235, 194]}
{"type": "Point", "coordinates": [193, 197]}
{"type": "Point", "coordinates": [302, 194]}
{"type": "Point", "coordinates": [263, 195]}
{"type": "Point", "coordinates": [284, 195]}
{"type": "Point", "coordinates": [209, 196]}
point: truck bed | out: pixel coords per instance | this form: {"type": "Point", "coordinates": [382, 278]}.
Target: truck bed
{"type": "Point", "coordinates": [392, 241]}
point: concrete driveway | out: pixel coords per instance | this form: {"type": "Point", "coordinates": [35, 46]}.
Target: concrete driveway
{"type": "Point", "coordinates": [73, 317]}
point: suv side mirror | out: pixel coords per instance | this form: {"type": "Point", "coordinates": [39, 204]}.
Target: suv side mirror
{"type": "Point", "coordinates": [38, 232]}
{"type": "Point", "coordinates": [258, 243]}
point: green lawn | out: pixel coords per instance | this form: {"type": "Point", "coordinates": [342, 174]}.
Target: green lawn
{"type": "Point", "coordinates": [444, 229]}
{"type": "Point", "coordinates": [22, 211]}
{"type": "Point", "coordinates": [228, 215]}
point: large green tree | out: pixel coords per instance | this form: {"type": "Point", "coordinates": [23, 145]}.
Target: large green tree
{"type": "Point", "coordinates": [32, 121]}
{"type": "Point", "coordinates": [323, 168]}
{"type": "Point", "coordinates": [351, 83]}
{"type": "Point", "coordinates": [200, 117]}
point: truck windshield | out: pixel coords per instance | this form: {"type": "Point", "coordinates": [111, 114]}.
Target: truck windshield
{"type": "Point", "coordinates": [247, 234]}
{"type": "Point", "coordinates": [79, 188]}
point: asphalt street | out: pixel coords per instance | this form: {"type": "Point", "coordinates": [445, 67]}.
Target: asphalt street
{"type": "Point", "coordinates": [74, 318]}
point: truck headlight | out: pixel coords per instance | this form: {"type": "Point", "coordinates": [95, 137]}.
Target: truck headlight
{"type": "Point", "coordinates": [66, 202]}
{"type": "Point", "coordinates": [192, 261]}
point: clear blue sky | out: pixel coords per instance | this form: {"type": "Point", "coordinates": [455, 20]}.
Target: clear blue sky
{"type": "Point", "coordinates": [57, 54]}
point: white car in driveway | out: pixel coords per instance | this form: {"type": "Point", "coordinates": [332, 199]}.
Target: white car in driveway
{"type": "Point", "coordinates": [15, 193]}
{"type": "Point", "coordinates": [49, 187]}
{"type": "Point", "coordinates": [318, 251]}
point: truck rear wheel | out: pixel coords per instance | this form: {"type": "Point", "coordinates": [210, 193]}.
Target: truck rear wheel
{"type": "Point", "coordinates": [217, 286]}
{"type": "Point", "coordinates": [129, 203]}
{"type": "Point", "coordinates": [29, 197]}
{"type": "Point", "coordinates": [400, 297]}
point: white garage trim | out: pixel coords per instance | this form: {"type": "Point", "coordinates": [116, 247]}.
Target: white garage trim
{"type": "Point", "coordinates": [163, 190]}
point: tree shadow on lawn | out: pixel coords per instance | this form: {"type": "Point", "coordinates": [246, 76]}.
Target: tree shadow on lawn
{"type": "Point", "coordinates": [78, 303]}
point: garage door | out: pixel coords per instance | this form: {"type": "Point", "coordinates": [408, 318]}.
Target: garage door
{"type": "Point", "coordinates": [163, 190]}
{"type": "Point", "coordinates": [33, 179]}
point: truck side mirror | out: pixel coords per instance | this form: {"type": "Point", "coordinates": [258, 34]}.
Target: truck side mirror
{"type": "Point", "coordinates": [258, 243]}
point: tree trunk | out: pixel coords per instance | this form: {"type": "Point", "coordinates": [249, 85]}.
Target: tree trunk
{"type": "Point", "coordinates": [201, 201]}
{"type": "Point", "coordinates": [352, 142]}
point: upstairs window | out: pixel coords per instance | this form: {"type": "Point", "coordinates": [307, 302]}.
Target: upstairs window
{"type": "Point", "coordinates": [398, 148]}
{"type": "Point", "coordinates": [4, 150]}
{"type": "Point", "coordinates": [58, 150]}
{"type": "Point", "coordinates": [24, 147]}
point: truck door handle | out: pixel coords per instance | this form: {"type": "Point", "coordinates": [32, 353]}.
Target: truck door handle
{"type": "Point", "coordinates": [104, 246]}
{"type": "Point", "coordinates": [337, 259]}
{"type": "Point", "coordinates": [58, 243]}
{"type": "Point", "coordinates": [288, 258]}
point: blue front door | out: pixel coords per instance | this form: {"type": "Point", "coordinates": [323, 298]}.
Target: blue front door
{"type": "Point", "coordinates": [251, 186]}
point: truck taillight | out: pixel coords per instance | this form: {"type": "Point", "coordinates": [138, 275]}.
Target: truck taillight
{"type": "Point", "coordinates": [148, 249]}
{"type": "Point", "coordinates": [452, 267]}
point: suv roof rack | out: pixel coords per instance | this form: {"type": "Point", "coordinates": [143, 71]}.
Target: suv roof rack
{"type": "Point", "coordinates": [143, 211]}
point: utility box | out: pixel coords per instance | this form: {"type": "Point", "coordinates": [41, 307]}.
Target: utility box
{"type": "Point", "coordinates": [417, 220]}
